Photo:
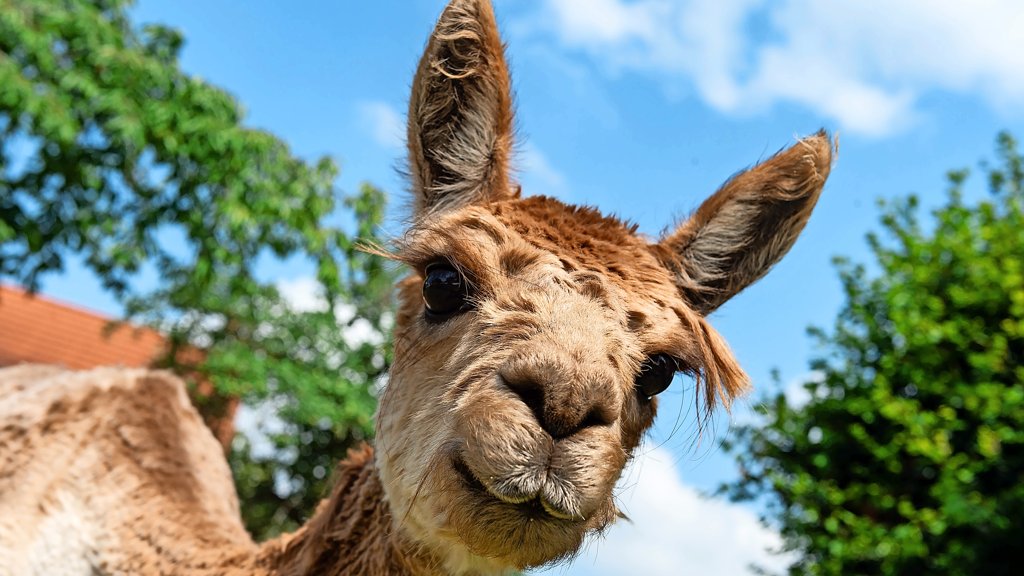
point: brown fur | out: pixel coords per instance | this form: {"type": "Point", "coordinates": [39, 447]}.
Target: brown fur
{"type": "Point", "coordinates": [503, 428]}
{"type": "Point", "coordinates": [123, 459]}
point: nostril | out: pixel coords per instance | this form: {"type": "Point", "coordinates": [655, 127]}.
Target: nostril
{"type": "Point", "coordinates": [531, 394]}
{"type": "Point", "coordinates": [595, 417]}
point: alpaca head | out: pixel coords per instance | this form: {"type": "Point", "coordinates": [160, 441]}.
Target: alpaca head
{"type": "Point", "coordinates": [533, 337]}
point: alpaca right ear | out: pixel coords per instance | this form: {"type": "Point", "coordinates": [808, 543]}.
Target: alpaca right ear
{"type": "Point", "coordinates": [460, 113]}
{"type": "Point", "coordinates": [739, 233]}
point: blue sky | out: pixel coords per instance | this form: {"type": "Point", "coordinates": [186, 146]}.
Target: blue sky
{"type": "Point", "coordinates": [642, 108]}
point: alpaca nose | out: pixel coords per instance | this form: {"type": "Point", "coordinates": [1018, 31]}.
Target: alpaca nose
{"type": "Point", "coordinates": [564, 398]}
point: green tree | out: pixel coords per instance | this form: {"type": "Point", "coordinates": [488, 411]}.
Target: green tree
{"type": "Point", "coordinates": [110, 153]}
{"type": "Point", "coordinates": [909, 456]}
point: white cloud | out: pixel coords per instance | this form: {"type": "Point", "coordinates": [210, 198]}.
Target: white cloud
{"type": "Point", "coordinates": [604, 21]}
{"type": "Point", "coordinates": [259, 424]}
{"type": "Point", "coordinates": [797, 394]}
{"type": "Point", "coordinates": [674, 530]}
{"type": "Point", "coordinates": [306, 295]}
{"type": "Point", "coordinates": [360, 331]}
{"type": "Point", "coordinates": [383, 124]}
{"type": "Point", "coordinates": [865, 64]}
{"type": "Point", "coordinates": [303, 294]}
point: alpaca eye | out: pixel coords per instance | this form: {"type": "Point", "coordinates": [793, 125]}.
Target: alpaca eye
{"type": "Point", "coordinates": [655, 375]}
{"type": "Point", "coordinates": [444, 290]}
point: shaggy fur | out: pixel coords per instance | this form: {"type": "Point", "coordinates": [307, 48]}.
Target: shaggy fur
{"type": "Point", "coordinates": [111, 471]}
{"type": "Point", "coordinates": [460, 112]}
{"type": "Point", "coordinates": [503, 428]}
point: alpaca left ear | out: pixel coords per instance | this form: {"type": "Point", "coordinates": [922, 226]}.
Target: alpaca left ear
{"type": "Point", "coordinates": [741, 231]}
{"type": "Point", "coordinates": [460, 113]}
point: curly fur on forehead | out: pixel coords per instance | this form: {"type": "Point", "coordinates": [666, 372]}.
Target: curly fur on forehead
{"type": "Point", "coordinates": [582, 236]}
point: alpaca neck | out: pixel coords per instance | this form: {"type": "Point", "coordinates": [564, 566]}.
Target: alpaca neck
{"type": "Point", "coordinates": [352, 532]}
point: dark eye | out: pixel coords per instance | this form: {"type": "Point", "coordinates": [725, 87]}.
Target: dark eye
{"type": "Point", "coordinates": [444, 290]}
{"type": "Point", "coordinates": [655, 375]}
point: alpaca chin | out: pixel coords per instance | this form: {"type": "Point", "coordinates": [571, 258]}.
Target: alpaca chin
{"type": "Point", "coordinates": [473, 531]}
{"type": "Point", "coordinates": [521, 534]}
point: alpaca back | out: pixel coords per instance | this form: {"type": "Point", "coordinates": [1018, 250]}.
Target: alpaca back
{"type": "Point", "coordinates": [111, 471]}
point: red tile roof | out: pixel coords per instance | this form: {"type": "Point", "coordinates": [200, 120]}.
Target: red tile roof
{"type": "Point", "coordinates": [40, 330]}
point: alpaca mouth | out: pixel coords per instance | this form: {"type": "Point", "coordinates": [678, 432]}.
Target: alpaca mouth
{"type": "Point", "coordinates": [535, 507]}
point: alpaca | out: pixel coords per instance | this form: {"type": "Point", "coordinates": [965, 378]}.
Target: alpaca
{"type": "Point", "coordinates": [531, 342]}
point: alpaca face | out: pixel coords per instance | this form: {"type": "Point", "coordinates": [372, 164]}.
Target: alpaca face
{"type": "Point", "coordinates": [533, 336]}
{"type": "Point", "coordinates": [522, 388]}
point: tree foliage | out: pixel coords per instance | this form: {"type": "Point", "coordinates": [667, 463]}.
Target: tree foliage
{"type": "Point", "coordinates": [319, 369]}
{"type": "Point", "coordinates": [909, 456]}
{"type": "Point", "coordinates": [110, 153]}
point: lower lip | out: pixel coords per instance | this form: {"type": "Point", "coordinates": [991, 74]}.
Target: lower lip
{"type": "Point", "coordinates": [534, 509]}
